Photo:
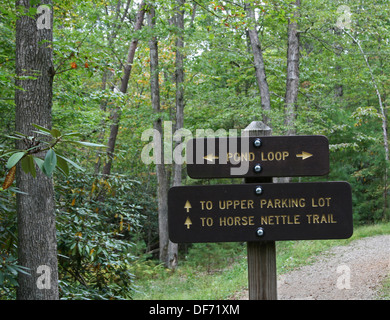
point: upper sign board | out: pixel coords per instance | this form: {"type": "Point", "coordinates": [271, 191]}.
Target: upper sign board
{"type": "Point", "coordinates": [257, 212]}
{"type": "Point", "coordinates": [273, 156]}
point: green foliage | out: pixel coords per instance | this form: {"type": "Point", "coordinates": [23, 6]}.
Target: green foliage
{"type": "Point", "coordinates": [94, 236]}
{"type": "Point", "coordinates": [52, 160]}
{"type": "Point", "coordinates": [148, 269]}
{"type": "Point", "coordinates": [213, 256]}
{"type": "Point", "coordinates": [9, 267]}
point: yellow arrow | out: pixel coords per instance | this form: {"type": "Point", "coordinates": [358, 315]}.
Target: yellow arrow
{"type": "Point", "coordinates": [188, 222]}
{"type": "Point", "coordinates": [304, 155]}
{"type": "Point", "coordinates": [187, 206]}
{"type": "Point", "coordinates": [211, 157]}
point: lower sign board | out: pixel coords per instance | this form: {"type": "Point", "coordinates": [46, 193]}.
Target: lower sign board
{"type": "Point", "coordinates": [260, 212]}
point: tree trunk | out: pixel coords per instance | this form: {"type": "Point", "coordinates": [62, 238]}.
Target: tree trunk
{"type": "Point", "coordinates": [383, 116]}
{"type": "Point", "coordinates": [179, 78]}
{"type": "Point", "coordinates": [292, 82]}
{"type": "Point", "coordinates": [103, 107]}
{"type": "Point", "coordinates": [37, 243]}
{"type": "Point", "coordinates": [259, 65]}
{"type": "Point", "coordinates": [107, 75]}
{"type": "Point", "coordinates": [380, 101]}
{"type": "Point", "coordinates": [124, 85]}
{"type": "Point", "coordinates": [162, 178]}
{"type": "Point", "coordinates": [292, 78]}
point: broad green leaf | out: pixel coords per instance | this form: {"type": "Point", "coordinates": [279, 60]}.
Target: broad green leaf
{"type": "Point", "coordinates": [7, 153]}
{"type": "Point", "coordinates": [42, 132]}
{"type": "Point", "coordinates": [22, 269]}
{"type": "Point", "coordinates": [88, 144]}
{"type": "Point", "coordinates": [41, 128]}
{"type": "Point", "coordinates": [15, 137]}
{"type": "Point", "coordinates": [71, 162]}
{"type": "Point", "coordinates": [39, 162]}
{"type": "Point", "coordinates": [55, 133]}
{"type": "Point", "coordinates": [28, 165]}
{"type": "Point", "coordinates": [14, 159]}
{"type": "Point", "coordinates": [25, 165]}
{"type": "Point", "coordinates": [20, 135]}
{"type": "Point", "coordinates": [62, 165]}
{"type": "Point", "coordinates": [11, 269]}
{"type": "Point", "coordinates": [50, 162]}
{"type": "Point", "coordinates": [71, 134]}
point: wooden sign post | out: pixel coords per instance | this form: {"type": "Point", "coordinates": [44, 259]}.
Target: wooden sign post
{"type": "Point", "coordinates": [259, 211]}
{"type": "Point", "coordinates": [261, 256]}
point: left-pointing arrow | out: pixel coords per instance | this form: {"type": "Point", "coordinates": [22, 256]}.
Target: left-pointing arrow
{"type": "Point", "coordinates": [187, 206]}
{"type": "Point", "coordinates": [210, 157]}
{"type": "Point", "coordinates": [188, 222]}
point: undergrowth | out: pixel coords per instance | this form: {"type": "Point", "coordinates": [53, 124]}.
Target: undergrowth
{"type": "Point", "coordinates": [218, 271]}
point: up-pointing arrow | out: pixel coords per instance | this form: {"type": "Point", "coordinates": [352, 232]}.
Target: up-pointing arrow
{"type": "Point", "coordinates": [187, 206]}
{"type": "Point", "coordinates": [188, 222]}
{"type": "Point", "coordinates": [304, 155]}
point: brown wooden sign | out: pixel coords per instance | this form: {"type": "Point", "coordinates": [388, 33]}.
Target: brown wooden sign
{"type": "Point", "coordinates": [273, 156]}
{"type": "Point", "coordinates": [260, 212]}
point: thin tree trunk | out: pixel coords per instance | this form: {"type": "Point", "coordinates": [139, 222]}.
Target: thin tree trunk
{"type": "Point", "coordinates": [384, 119]}
{"type": "Point", "coordinates": [292, 78]}
{"type": "Point", "coordinates": [37, 243]}
{"type": "Point", "coordinates": [103, 107]}
{"type": "Point", "coordinates": [172, 257]}
{"type": "Point", "coordinates": [179, 78]}
{"type": "Point", "coordinates": [292, 82]}
{"type": "Point", "coordinates": [124, 85]}
{"type": "Point", "coordinates": [259, 65]}
{"type": "Point", "coordinates": [382, 109]}
{"type": "Point", "coordinates": [107, 75]}
{"type": "Point", "coordinates": [162, 178]}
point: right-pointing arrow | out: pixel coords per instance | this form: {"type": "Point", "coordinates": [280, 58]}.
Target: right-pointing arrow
{"type": "Point", "coordinates": [304, 155]}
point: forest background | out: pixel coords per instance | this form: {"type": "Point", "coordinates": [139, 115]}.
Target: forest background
{"type": "Point", "coordinates": [121, 67]}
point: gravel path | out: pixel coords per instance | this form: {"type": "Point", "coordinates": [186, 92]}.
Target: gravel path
{"type": "Point", "coordinates": [353, 272]}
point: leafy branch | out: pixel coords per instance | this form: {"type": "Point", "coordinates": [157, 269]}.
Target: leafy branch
{"type": "Point", "coordinates": [53, 159]}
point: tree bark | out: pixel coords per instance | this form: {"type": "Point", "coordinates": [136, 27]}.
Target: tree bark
{"type": "Point", "coordinates": [162, 177]}
{"type": "Point", "coordinates": [37, 243]}
{"type": "Point", "coordinates": [124, 85]}
{"type": "Point", "coordinates": [383, 116]}
{"type": "Point", "coordinates": [292, 82]}
{"type": "Point", "coordinates": [259, 65]}
{"type": "Point", "coordinates": [107, 75]}
{"type": "Point", "coordinates": [172, 257]}
{"type": "Point", "coordinates": [292, 78]}
{"type": "Point", "coordinates": [380, 101]}
{"type": "Point", "coordinates": [179, 79]}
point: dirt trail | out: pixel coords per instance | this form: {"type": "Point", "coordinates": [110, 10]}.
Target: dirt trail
{"type": "Point", "coordinates": [352, 272]}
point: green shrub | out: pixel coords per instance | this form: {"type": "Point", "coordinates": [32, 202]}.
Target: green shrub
{"type": "Point", "coordinates": [95, 219]}
{"type": "Point", "coordinates": [213, 256]}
